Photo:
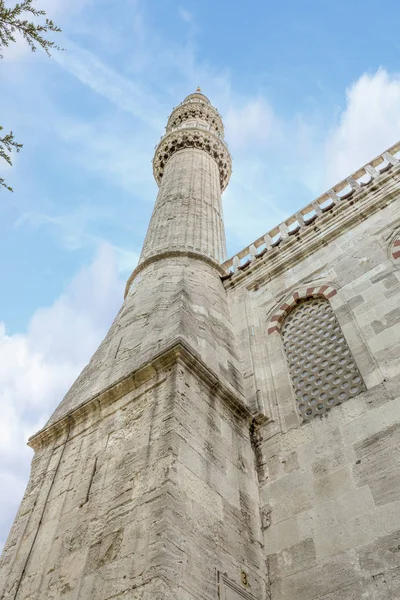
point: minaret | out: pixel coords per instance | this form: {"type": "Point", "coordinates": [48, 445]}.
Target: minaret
{"type": "Point", "coordinates": [143, 481]}
{"type": "Point", "coordinates": [192, 166]}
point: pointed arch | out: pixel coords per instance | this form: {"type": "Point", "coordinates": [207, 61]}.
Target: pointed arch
{"type": "Point", "coordinates": [276, 320]}
{"type": "Point", "coordinates": [395, 248]}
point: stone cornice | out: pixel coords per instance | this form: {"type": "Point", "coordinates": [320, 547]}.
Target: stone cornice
{"type": "Point", "coordinates": [172, 254]}
{"type": "Point", "coordinates": [178, 352]}
{"type": "Point", "coordinates": [315, 225]}
{"type": "Point", "coordinates": [193, 138]}
{"type": "Point", "coordinates": [295, 249]}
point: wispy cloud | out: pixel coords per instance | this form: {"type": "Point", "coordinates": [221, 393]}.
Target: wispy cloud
{"type": "Point", "coordinates": [282, 164]}
{"type": "Point", "coordinates": [73, 231]}
{"type": "Point", "coordinates": [127, 260]}
{"type": "Point", "coordinates": [112, 150]}
{"type": "Point", "coordinates": [71, 228]}
{"type": "Point", "coordinates": [185, 14]}
{"type": "Point", "coordinates": [251, 124]}
{"type": "Point", "coordinates": [128, 95]}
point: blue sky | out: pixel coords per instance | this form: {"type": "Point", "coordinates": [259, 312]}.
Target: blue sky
{"type": "Point", "coordinates": [309, 91]}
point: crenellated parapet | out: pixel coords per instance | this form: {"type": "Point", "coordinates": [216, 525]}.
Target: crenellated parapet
{"type": "Point", "coordinates": [345, 194]}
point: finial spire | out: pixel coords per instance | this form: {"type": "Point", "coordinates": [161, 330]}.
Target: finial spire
{"type": "Point", "coordinates": [198, 89]}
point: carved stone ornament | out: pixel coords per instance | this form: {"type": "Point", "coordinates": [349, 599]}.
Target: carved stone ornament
{"type": "Point", "coordinates": [193, 138]}
{"type": "Point", "coordinates": [195, 110]}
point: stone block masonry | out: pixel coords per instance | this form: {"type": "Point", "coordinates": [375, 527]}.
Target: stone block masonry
{"type": "Point", "coordinates": [172, 499]}
{"type": "Point", "coordinates": [236, 435]}
{"type": "Point", "coordinates": [329, 489]}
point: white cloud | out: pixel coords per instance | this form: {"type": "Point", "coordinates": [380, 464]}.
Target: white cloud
{"type": "Point", "coordinates": [37, 367]}
{"type": "Point", "coordinates": [111, 150]}
{"type": "Point", "coordinates": [274, 154]}
{"type": "Point", "coordinates": [65, 9]}
{"type": "Point", "coordinates": [72, 230]}
{"type": "Point", "coordinates": [369, 124]}
{"type": "Point", "coordinates": [250, 124]}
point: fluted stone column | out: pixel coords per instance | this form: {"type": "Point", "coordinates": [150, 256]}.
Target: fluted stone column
{"type": "Point", "coordinates": [143, 484]}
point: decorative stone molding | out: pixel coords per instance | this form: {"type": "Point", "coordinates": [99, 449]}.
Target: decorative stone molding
{"type": "Point", "coordinates": [395, 249]}
{"type": "Point", "coordinates": [178, 351]}
{"type": "Point", "coordinates": [171, 254]}
{"type": "Point", "coordinates": [325, 291]}
{"type": "Point", "coordinates": [193, 111]}
{"type": "Point", "coordinates": [342, 195]}
{"type": "Point", "coordinates": [193, 138]}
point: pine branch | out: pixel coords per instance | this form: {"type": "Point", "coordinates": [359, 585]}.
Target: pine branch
{"type": "Point", "coordinates": [12, 21]}
{"type": "Point", "coordinates": [3, 184]}
{"type": "Point", "coordinates": [7, 146]}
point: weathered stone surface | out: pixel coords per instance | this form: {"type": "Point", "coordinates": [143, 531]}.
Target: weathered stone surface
{"type": "Point", "coordinates": [176, 467]}
{"type": "Point", "coordinates": [144, 482]}
{"type": "Point", "coordinates": [329, 490]}
{"type": "Point", "coordinates": [157, 507]}
{"type": "Point", "coordinates": [171, 300]}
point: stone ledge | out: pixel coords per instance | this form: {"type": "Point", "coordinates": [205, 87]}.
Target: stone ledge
{"type": "Point", "coordinates": [178, 352]}
{"type": "Point", "coordinates": [352, 190]}
{"type": "Point", "coordinates": [171, 254]}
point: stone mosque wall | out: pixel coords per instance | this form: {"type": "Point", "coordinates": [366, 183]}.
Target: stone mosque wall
{"type": "Point", "coordinates": [317, 319]}
{"type": "Point", "coordinates": [237, 433]}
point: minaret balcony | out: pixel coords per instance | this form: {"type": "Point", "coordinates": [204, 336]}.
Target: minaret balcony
{"type": "Point", "coordinates": [193, 137]}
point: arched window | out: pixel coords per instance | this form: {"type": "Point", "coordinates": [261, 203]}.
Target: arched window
{"type": "Point", "coordinates": [321, 366]}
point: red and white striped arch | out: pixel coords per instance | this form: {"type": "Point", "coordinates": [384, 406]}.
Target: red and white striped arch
{"type": "Point", "coordinates": [325, 291]}
{"type": "Point", "coordinates": [396, 248]}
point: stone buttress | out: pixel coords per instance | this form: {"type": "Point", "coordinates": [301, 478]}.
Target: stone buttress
{"type": "Point", "coordinates": [143, 482]}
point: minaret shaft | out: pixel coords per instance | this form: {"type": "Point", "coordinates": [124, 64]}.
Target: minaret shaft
{"type": "Point", "coordinates": [188, 211]}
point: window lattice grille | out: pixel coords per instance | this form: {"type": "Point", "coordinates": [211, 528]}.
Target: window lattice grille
{"type": "Point", "coordinates": [322, 368]}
